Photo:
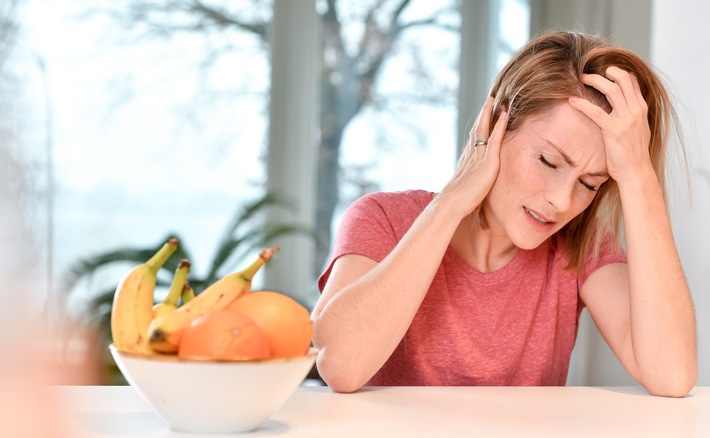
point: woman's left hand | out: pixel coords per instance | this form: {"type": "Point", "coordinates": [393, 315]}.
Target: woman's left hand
{"type": "Point", "coordinates": [625, 130]}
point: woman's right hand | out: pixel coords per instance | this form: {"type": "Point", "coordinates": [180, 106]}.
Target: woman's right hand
{"type": "Point", "coordinates": [479, 164]}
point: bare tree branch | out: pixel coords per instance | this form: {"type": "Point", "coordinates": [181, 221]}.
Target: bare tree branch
{"type": "Point", "coordinates": [165, 18]}
{"type": "Point", "coordinates": [350, 67]}
{"type": "Point", "coordinates": [223, 19]}
{"type": "Point", "coordinates": [381, 41]}
{"type": "Point", "coordinates": [8, 28]}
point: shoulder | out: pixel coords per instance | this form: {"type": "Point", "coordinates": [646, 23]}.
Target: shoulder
{"type": "Point", "coordinates": [394, 206]}
{"type": "Point", "coordinates": [383, 214]}
{"type": "Point", "coordinates": [374, 223]}
{"type": "Point", "coordinates": [610, 251]}
{"type": "Point", "coordinates": [409, 198]}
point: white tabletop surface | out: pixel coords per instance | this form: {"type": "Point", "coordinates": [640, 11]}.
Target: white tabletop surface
{"type": "Point", "coordinates": [103, 411]}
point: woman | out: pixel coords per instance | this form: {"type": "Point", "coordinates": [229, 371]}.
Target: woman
{"type": "Point", "coordinates": [483, 283]}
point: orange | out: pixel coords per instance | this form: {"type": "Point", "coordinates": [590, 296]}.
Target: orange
{"type": "Point", "coordinates": [224, 334]}
{"type": "Point", "coordinates": [286, 322]}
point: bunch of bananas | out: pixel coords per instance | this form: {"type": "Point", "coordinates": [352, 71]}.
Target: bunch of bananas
{"type": "Point", "coordinates": [140, 326]}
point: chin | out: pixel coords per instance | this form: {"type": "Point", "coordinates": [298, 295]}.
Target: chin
{"type": "Point", "coordinates": [528, 241]}
{"type": "Point", "coordinates": [530, 246]}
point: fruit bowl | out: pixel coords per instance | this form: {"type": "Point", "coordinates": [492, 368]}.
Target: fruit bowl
{"type": "Point", "coordinates": [213, 396]}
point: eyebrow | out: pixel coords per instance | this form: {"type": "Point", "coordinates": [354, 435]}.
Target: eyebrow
{"type": "Point", "coordinates": [571, 162]}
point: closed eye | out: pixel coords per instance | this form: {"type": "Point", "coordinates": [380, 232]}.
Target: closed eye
{"type": "Point", "coordinates": [588, 186]}
{"type": "Point", "coordinates": [544, 161]}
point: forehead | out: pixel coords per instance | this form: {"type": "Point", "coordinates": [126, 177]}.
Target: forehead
{"type": "Point", "coordinates": [563, 127]}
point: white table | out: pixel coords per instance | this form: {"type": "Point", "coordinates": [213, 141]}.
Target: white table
{"type": "Point", "coordinates": [401, 412]}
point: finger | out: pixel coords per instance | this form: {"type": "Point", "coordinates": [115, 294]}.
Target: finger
{"type": "Point", "coordinates": [470, 153]}
{"type": "Point", "coordinates": [622, 79]}
{"type": "Point", "coordinates": [467, 155]}
{"type": "Point", "coordinates": [496, 138]}
{"type": "Point", "coordinates": [637, 92]}
{"type": "Point", "coordinates": [594, 112]}
{"type": "Point", "coordinates": [636, 85]}
{"type": "Point", "coordinates": [483, 122]}
{"type": "Point", "coordinates": [610, 89]}
{"type": "Point", "coordinates": [625, 81]}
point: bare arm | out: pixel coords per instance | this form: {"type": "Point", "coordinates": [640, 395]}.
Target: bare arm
{"type": "Point", "coordinates": [366, 307]}
{"type": "Point", "coordinates": [644, 309]}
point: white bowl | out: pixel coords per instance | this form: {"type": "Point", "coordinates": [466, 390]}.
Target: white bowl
{"type": "Point", "coordinates": [201, 396]}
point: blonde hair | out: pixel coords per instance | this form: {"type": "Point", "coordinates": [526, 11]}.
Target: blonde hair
{"type": "Point", "coordinates": [546, 72]}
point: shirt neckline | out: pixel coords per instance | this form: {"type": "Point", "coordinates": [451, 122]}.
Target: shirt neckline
{"type": "Point", "coordinates": [520, 259]}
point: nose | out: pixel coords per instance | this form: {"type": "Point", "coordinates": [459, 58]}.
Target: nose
{"type": "Point", "coordinates": [560, 197]}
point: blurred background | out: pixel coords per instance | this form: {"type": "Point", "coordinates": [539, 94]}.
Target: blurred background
{"type": "Point", "coordinates": [237, 124]}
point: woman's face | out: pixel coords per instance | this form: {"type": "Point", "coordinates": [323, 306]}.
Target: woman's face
{"type": "Point", "coordinates": [550, 170]}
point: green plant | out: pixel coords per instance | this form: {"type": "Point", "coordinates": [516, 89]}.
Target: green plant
{"type": "Point", "coordinates": [245, 234]}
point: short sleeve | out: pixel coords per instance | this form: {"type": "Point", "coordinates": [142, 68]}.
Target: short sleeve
{"type": "Point", "coordinates": [366, 230]}
{"type": "Point", "coordinates": [610, 252]}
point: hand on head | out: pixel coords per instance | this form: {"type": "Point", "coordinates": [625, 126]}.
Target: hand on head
{"type": "Point", "coordinates": [625, 129]}
{"type": "Point", "coordinates": [480, 162]}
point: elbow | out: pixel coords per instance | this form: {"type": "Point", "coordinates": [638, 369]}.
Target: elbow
{"type": "Point", "coordinates": [336, 373]}
{"type": "Point", "coordinates": [672, 391]}
{"type": "Point", "coordinates": [674, 384]}
{"type": "Point", "coordinates": [341, 383]}
{"type": "Point", "coordinates": [340, 363]}
{"type": "Point", "coordinates": [337, 366]}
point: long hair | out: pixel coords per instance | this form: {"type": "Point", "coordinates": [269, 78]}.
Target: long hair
{"type": "Point", "coordinates": [546, 72]}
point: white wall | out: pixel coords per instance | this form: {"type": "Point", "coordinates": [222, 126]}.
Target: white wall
{"type": "Point", "coordinates": [680, 47]}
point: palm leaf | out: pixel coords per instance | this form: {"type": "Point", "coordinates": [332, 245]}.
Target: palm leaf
{"type": "Point", "coordinates": [87, 266]}
{"type": "Point", "coordinates": [253, 235]}
{"type": "Point", "coordinates": [251, 209]}
{"type": "Point", "coordinates": [99, 309]}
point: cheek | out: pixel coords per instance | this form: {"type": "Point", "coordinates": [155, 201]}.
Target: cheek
{"type": "Point", "coordinates": [515, 169]}
{"type": "Point", "coordinates": [582, 202]}
{"type": "Point", "coordinates": [522, 175]}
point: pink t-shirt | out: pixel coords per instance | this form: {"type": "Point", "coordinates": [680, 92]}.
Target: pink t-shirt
{"type": "Point", "coordinates": [515, 326]}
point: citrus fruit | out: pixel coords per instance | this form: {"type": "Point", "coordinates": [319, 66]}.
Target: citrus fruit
{"type": "Point", "coordinates": [286, 323]}
{"type": "Point", "coordinates": [224, 334]}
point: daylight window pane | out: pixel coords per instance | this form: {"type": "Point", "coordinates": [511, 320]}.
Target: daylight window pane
{"type": "Point", "coordinates": [157, 126]}
{"type": "Point", "coordinates": [405, 137]}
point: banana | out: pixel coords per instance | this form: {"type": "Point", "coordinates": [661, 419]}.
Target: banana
{"type": "Point", "coordinates": [132, 308]}
{"type": "Point", "coordinates": [187, 293]}
{"type": "Point", "coordinates": [170, 303]}
{"type": "Point", "coordinates": [164, 332]}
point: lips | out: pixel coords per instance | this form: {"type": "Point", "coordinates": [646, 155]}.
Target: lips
{"type": "Point", "coordinates": [538, 217]}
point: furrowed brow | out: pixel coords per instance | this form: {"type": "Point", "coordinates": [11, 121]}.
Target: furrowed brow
{"type": "Point", "coordinates": [559, 150]}
{"type": "Point", "coordinates": [571, 162]}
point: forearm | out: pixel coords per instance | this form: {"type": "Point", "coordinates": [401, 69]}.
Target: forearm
{"type": "Point", "coordinates": [662, 319]}
{"type": "Point", "coordinates": [358, 326]}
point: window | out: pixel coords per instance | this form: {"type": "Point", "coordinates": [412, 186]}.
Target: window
{"type": "Point", "coordinates": [148, 135]}
{"type": "Point", "coordinates": [155, 137]}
